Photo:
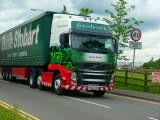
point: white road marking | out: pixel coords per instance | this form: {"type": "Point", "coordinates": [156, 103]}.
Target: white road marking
{"type": "Point", "coordinates": [93, 103]}
{"type": "Point", "coordinates": [20, 112]}
{"type": "Point", "coordinates": [152, 118]}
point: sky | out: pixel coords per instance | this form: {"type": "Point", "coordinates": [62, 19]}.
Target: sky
{"type": "Point", "coordinates": [14, 12]}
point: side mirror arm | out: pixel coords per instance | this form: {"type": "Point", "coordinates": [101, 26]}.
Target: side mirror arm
{"type": "Point", "coordinates": [116, 46]}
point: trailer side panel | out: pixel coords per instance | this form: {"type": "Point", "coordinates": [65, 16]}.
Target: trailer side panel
{"type": "Point", "coordinates": [26, 45]}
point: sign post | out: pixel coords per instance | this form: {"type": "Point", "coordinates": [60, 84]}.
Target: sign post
{"type": "Point", "coordinates": [134, 57]}
{"type": "Point", "coordinates": [135, 36]}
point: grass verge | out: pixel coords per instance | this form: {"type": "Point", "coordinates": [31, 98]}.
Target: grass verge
{"type": "Point", "coordinates": [10, 114]}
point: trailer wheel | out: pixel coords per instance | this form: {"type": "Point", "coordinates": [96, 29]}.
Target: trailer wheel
{"type": "Point", "coordinates": [32, 79]}
{"type": "Point", "coordinates": [3, 75]}
{"type": "Point", "coordinates": [99, 93]}
{"type": "Point", "coordinates": [39, 82]}
{"type": "Point", "coordinates": [10, 77]}
{"type": "Point", "coordinates": [7, 75]}
{"type": "Point", "coordinates": [57, 85]}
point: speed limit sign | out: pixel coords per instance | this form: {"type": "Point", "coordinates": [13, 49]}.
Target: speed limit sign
{"type": "Point", "coordinates": [136, 35]}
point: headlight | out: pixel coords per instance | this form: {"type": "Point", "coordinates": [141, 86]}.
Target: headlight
{"type": "Point", "coordinates": [74, 76]}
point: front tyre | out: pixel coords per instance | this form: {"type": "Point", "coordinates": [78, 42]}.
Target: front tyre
{"type": "Point", "coordinates": [57, 85]}
{"type": "Point", "coordinates": [99, 93]}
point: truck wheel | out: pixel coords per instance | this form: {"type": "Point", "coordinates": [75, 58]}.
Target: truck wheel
{"type": "Point", "coordinates": [99, 93]}
{"type": "Point", "coordinates": [4, 75]}
{"type": "Point", "coordinates": [7, 75]}
{"type": "Point", "coordinates": [57, 85]}
{"type": "Point", "coordinates": [10, 77]}
{"type": "Point", "coordinates": [39, 82]}
{"type": "Point", "coordinates": [32, 79]}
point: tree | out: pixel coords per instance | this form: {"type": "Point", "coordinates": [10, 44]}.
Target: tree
{"type": "Point", "coordinates": [149, 64]}
{"type": "Point", "coordinates": [152, 59]}
{"type": "Point", "coordinates": [121, 24]}
{"type": "Point", "coordinates": [85, 11]}
{"type": "Point", "coordinates": [152, 64]}
{"type": "Point", "coordinates": [64, 11]}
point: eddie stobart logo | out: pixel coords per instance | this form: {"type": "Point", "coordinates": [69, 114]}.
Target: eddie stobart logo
{"type": "Point", "coordinates": [90, 26]}
{"type": "Point", "coordinates": [19, 38]}
{"type": "Point", "coordinates": [94, 57]}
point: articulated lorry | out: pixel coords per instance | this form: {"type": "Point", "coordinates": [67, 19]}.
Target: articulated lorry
{"type": "Point", "coordinates": [60, 51]}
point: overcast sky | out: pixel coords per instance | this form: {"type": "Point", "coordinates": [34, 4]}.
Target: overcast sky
{"type": "Point", "coordinates": [13, 12]}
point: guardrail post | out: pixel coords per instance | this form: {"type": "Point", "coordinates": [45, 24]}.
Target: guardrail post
{"type": "Point", "coordinates": [126, 77]}
{"type": "Point", "coordinates": [145, 81]}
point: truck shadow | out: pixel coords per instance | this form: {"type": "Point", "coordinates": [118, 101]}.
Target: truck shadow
{"type": "Point", "coordinates": [19, 81]}
{"type": "Point", "coordinates": [79, 94]}
{"type": "Point", "coordinates": [83, 94]}
{"type": "Point", "coordinates": [22, 82]}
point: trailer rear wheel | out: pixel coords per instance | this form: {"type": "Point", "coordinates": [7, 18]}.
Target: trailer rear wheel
{"type": "Point", "coordinates": [32, 79]}
{"type": "Point", "coordinates": [3, 75]}
{"type": "Point", "coordinates": [39, 81]}
{"type": "Point", "coordinates": [57, 85]}
{"type": "Point", "coordinates": [99, 93]}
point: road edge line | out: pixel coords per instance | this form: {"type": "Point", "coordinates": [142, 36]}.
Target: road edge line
{"type": "Point", "coordinates": [20, 112]}
{"type": "Point", "coordinates": [136, 98]}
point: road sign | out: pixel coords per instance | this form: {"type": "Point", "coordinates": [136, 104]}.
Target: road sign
{"type": "Point", "coordinates": [135, 35]}
{"type": "Point", "coordinates": [156, 77]}
{"type": "Point", "coordinates": [135, 45]}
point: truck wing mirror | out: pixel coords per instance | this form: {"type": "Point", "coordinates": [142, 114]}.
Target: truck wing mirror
{"type": "Point", "coordinates": [116, 46]}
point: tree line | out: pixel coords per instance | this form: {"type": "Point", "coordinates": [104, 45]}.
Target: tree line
{"type": "Point", "coordinates": [152, 64]}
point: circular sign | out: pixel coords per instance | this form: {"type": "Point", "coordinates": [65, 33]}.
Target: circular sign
{"type": "Point", "coordinates": [135, 35]}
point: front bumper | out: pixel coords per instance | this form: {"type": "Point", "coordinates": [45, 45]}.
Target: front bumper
{"type": "Point", "coordinates": [89, 88]}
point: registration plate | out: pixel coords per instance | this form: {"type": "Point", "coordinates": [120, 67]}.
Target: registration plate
{"type": "Point", "coordinates": [93, 88]}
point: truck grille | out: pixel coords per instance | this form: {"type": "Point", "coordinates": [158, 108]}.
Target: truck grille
{"type": "Point", "coordinates": [100, 77]}
{"type": "Point", "coordinates": [93, 79]}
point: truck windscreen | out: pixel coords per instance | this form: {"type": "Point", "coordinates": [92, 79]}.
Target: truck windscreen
{"type": "Point", "coordinates": [92, 43]}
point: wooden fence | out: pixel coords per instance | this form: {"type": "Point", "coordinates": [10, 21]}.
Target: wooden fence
{"type": "Point", "coordinates": [137, 78]}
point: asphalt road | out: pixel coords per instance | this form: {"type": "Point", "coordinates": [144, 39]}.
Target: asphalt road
{"type": "Point", "coordinates": [48, 106]}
